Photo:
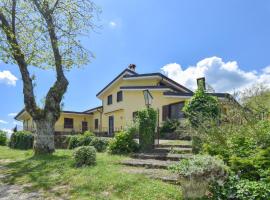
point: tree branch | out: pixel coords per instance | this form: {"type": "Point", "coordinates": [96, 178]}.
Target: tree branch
{"type": "Point", "coordinates": [13, 17]}
{"type": "Point", "coordinates": [56, 92]}
{"type": "Point", "coordinates": [29, 99]}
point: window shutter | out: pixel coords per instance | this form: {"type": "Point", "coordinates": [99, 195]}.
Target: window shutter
{"type": "Point", "coordinates": [165, 112]}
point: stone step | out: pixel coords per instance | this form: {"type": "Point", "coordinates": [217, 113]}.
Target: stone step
{"type": "Point", "coordinates": [161, 156]}
{"type": "Point", "coordinates": [174, 145]}
{"type": "Point", "coordinates": [174, 150]}
{"type": "Point", "coordinates": [149, 163]}
{"type": "Point", "coordinates": [160, 174]}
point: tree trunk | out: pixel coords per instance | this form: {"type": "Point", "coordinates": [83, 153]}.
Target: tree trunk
{"type": "Point", "coordinates": [44, 136]}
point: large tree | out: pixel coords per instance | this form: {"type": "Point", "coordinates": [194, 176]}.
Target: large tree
{"type": "Point", "coordinates": [45, 34]}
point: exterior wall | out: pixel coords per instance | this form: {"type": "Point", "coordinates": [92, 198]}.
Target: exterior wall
{"type": "Point", "coordinates": [134, 101]}
{"type": "Point", "coordinates": [28, 123]}
{"type": "Point", "coordinates": [77, 122]}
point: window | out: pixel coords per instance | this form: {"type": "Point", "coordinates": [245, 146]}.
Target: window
{"type": "Point", "coordinates": [68, 123]}
{"type": "Point", "coordinates": [96, 123]}
{"type": "Point", "coordinates": [173, 111]}
{"type": "Point", "coordinates": [134, 115]}
{"type": "Point", "coordinates": [119, 96]}
{"type": "Point", "coordinates": [109, 100]}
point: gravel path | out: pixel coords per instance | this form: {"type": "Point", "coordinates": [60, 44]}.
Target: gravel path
{"type": "Point", "coordinates": [15, 192]}
{"type": "Point", "coordinates": [11, 192]}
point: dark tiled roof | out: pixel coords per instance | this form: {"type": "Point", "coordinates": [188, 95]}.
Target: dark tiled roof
{"type": "Point", "coordinates": [73, 112]}
{"type": "Point", "coordinates": [123, 72]}
{"type": "Point", "coordinates": [221, 95]}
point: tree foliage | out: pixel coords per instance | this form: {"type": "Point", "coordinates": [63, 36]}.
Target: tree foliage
{"type": "Point", "coordinates": [45, 34]}
{"type": "Point", "coordinates": [147, 119]}
{"type": "Point", "coordinates": [201, 108]}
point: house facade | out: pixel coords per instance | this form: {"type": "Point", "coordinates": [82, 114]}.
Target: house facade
{"type": "Point", "coordinates": [120, 101]}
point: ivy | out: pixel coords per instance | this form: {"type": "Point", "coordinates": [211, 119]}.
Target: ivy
{"type": "Point", "coordinates": [147, 119]}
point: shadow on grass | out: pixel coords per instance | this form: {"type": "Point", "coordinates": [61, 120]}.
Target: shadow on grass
{"type": "Point", "coordinates": [41, 171]}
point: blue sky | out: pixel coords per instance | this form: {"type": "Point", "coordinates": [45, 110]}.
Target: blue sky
{"type": "Point", "coordinates": [227, 41]}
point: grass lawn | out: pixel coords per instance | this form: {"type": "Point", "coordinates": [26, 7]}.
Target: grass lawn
{"type": "Point", "coordinates": [56, 176]}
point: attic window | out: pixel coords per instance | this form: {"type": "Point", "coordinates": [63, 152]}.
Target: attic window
{"type": "Point", "coordinates": [109, 100]}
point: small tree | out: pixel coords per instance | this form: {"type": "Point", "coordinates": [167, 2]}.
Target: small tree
{"type": "Point", "coordinates": [147, 119]}
{"type": "Point", "coordinates": [202, 111]}
{"type": "Point", "coordinates": [201, 108]}
{"type": "Point", "coordinates": [44, 34]}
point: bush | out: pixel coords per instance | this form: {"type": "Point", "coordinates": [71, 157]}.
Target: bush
{"type": "Point", "coordinates": [255, 167]}
{"type": "Point", "coordinates": [123, 143]}
{"type": "Point", "coordinates": [84, 156]}
{"type": "Point", "coordinates": [262, 133]}
{"type": "Point", "coordinates": [197, 173]}
{"type": "Point", "coordinates": [100, 144]}
{"type": "Point", "coordinates": [201, 166]}
{"type": "Point", "coordinates": [21, 140]}
{"type": "Point", "coordinates": [147, 120]}
{"type": "Point", "coordinates": [80, 140]}
{"type": "Point", "coordinates": [240, 189]}
{"type": "Point", "coordinates": [3, 138]}
{"type": "Point", "coordinates": [169, 126]}
{"type": "Point", "coordinates": [201, 108]}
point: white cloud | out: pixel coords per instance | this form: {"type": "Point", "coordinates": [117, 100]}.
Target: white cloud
{"type": "Point", "coordinates": [112, 24]}
{"type": "Point", "coordinates": [12, 114]}
{"type": "Point", "coordinates": [8, 78]}
{"type": "Point", "coordinates": [3, 122]}
{"type": "Point", "coordinates": [222, 76]}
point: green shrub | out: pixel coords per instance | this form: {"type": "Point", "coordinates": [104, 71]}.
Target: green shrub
{"type": "Point", "coordinates": [169, 126]}
{"type": "Point", "coordinates": [240, 189]}
{"type": "Point", "coordinates": [262, 133]}
{"type": "Point", "coordinates": [84, 156]}
{"type": "Point", "coordinates": [147, 119]}
{"type": "Point", "coordinates": [88, 134]}
{"type": "Point", "coordinates": [100, 144]}
{"type": "Point", "coordinates": [201, 108]}
{"type": "Point", "coordinates": [3, 138]}
{"type": "Point", "coordinates": [74, 141]}
{"type": "Point", "coordinates": [123, 143]}
{"type": "Point", "coordinates": [201, 166]}
{"type": "Point", "coordinates": [21, 140]}
{"type": "Point", "coordinates": [197, 173]}
{"type": "Point", "coordinates": [80, 140]}
{"type": "Point", "coordinates": [241, 145]}
{"type": "Point", "coordinates": [255, 167]}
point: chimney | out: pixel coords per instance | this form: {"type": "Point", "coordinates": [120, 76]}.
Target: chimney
{"type": "Point", "coordinates": [201, 83]}
{"type": "Point", "coordinates": [132, 67]}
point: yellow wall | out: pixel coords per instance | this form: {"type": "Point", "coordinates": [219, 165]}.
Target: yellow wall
{"type": "Point", "coordinates": [77, 122]}
{"type": "Point", "coordinates": [132, 102]}
{"type": "Point", "coordinates": [135, 102]}
{"type": "Point", "coordinates": [59, 125]}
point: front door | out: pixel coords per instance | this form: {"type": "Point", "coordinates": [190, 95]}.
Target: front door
{"type": "Point", "coordinates": [84, 126]}
{"type": "Point", "coordinates": [111, 125]}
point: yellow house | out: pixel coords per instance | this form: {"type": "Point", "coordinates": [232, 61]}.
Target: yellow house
{"type": "Point", "coordinates": [121, 99]}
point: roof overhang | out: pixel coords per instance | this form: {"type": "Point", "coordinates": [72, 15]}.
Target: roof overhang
{"type": "Point", "coordinates": [119, 77]}
{"type": "Point", "coordinates": [140, 88]}
{"type": "Point", "coordinates": [24, 112]}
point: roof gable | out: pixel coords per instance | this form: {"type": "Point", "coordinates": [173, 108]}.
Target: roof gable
{"type": "Point", "coordinates": [126, 72]}
{"type": "Point", "coordinates": [164, 79]}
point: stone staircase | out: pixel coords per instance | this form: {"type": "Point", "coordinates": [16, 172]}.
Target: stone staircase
{"type": "Point", "coordinates": [155, 164]}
